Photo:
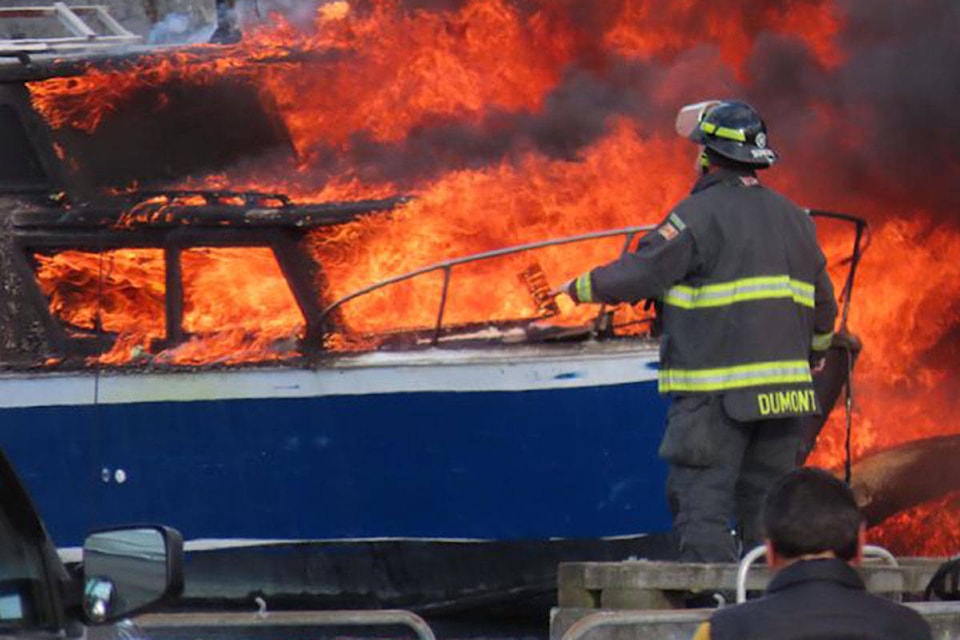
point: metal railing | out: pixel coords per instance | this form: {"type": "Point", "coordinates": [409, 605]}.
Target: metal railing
{"type": "Point", "coordinates": [447, 266]}
{"type": "Point", "coordinates": [651, 618]}
{"type": "Point", "coordinates": [594, 621]}
{"type": "Point", "coordinates": [630, 234]}
{"type": "Point", "coordinates": [268, 619]}
{"type": "Point", "coordinates": [83, 36]}
{"type": "Point", "coordinates": [869, 551]}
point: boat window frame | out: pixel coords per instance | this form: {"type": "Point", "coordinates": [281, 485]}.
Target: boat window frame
{"type": "Point", "coordinates": [172, 242]}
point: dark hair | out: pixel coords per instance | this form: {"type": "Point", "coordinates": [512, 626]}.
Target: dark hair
{"type": "Point", "coordinates": [810, 511]}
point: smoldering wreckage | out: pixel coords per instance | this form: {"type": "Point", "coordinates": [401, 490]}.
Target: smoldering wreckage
{"type": "Point", "coordinates": [265, 290]}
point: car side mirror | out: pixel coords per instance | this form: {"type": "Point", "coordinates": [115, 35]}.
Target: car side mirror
{"type": "Point", "coordinates": [128, 569]}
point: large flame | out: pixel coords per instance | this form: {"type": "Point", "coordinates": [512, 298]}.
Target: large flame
{"type": "Point", "coordinates": [937, 520]}
{"type": "Point", "coordinates": [514, 122]}
{"type": "Point", "coordinates": [513, 204]}
{"type": "Point", "coordinates": [123, 292]}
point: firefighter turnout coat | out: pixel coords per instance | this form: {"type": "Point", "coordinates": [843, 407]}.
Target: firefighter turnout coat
{"type": "Point", "coordinates": [744, 292]}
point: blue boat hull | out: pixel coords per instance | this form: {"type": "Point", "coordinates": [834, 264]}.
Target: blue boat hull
{"type": "Point", "coordinates": [565, 457]}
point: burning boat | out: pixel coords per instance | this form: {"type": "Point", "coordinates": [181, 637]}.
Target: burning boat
{"type": "Point", "coordinates": [291, 428]}
{"type": "Point", "coordinates": [216, 314]}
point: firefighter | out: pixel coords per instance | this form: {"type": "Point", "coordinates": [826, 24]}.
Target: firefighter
{"type": "Point", "coordinates": [747, 312]}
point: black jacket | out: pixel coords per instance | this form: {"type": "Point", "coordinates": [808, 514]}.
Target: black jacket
{"type": "Point", "coordinates": [745, 296]}
{"type": "Point", "coordinates": [818, 599]}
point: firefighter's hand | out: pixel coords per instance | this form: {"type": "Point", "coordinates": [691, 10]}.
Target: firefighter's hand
{"type": "Point", "coordinates": [818, 362]}
{"type": "Point", "coordinates": [566, 288]}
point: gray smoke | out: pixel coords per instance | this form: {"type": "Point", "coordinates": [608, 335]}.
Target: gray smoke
{"type": "Point", "coordinates": [299, 13]}
{"type": "Point", "coordinates": [180, 28]}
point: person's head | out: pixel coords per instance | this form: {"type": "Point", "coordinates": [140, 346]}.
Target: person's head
{"type": "Point", "coordinates": [810, 513]}
{"type": "Point", "coordinates": [730, 132]}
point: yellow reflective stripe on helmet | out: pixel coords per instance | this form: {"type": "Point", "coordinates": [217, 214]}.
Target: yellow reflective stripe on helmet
{"type": "Point", "coordinates": [822, 341]}
{"type": "Point", "coordinates": [742, 290]}
{"type": "Point", "coordinates": [584, 288]}
{"type": "Point", "coordinates": [723, 132]}
{"type": "Point", "coordinates": [737, 377]}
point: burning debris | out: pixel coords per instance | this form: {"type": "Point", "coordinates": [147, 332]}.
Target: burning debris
{"type": "Point", "coordinates": [918, 472]}
{"type": "Point", "coordinates": [539, 287]}
{"type": "Point", "coordinates": [512, 122]}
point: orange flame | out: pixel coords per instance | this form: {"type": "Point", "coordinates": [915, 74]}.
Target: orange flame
{"type": "Point", "coordinates": [123, 292]}
{"type": "Point", "coordinates": [902, 311]}
{"type": "Point", "coordinates": [462, 214]}
{"type": "Point", "coordinates": [939, 522]}
{"type": "Point", "coordinates": [649, 30]}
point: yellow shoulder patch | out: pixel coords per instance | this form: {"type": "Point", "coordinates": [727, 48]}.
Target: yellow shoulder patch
{"type": "Point", "coordinates": [668, 231]}
{"type": "Point", "coordinates": [672, 227]}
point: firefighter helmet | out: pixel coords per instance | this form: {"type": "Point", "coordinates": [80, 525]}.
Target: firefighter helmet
{"type": "Point", "coordinates": [736, 131]}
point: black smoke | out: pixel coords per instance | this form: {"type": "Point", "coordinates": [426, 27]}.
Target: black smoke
{"type": "Point", "coordinates": [884, 124]}
{"type": "Point", "coordinates": [880, 126]}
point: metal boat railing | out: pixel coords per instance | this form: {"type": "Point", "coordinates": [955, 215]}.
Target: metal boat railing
{"type": "Point", "coordinates": [630, 233]}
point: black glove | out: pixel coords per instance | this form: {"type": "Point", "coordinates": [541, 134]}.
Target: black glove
{"type": "Point", "coordinates": [818, 361]}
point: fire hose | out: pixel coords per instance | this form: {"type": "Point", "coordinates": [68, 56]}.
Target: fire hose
{"type": "Point", "coordinates": [846, 294]}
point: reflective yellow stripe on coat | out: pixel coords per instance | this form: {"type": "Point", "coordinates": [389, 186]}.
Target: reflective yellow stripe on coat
{"type": "Point", "coordinates": [584, 287]}
{"type": "Point", "coordinates": [737, 377]}
{"type": "Point", "coordinates": [742, 290]}
{"type": "Point", "coordinates": [822, 341]}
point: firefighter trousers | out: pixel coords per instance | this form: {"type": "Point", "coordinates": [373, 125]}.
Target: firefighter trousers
{"type": "Point", "coordinates": [720, 471]}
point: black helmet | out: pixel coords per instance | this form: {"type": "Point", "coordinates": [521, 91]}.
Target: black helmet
{"type": "Point", "coordinates": [736, 131]}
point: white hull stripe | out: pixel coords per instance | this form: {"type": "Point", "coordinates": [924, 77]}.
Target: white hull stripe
{"type": "Point", "coordinates": [433, 371]}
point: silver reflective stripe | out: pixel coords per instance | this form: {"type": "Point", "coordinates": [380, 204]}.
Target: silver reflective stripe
{"type": "Point", "coordinates": [677, 222]}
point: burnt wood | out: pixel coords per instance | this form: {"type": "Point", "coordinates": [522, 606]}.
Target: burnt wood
{"type": "Point", "coordinates": [115, 216]}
